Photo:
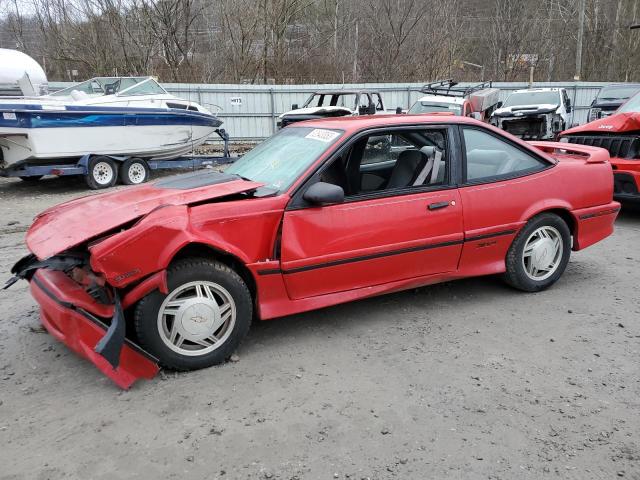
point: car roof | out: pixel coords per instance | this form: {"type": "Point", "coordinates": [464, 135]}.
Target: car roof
{"type": "Point", "coordinates": [443, 99]}
{"type": "Point", "coordinates": [529, 90]}
{"type": "Point", "coordinates": [352, 124]}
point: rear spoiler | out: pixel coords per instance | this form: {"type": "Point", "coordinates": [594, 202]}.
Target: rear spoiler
{"type": "Point", "coordinates": [593, 154]}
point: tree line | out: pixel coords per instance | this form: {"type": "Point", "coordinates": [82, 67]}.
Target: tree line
{"type": "Point", "coordinates": [326, 41]}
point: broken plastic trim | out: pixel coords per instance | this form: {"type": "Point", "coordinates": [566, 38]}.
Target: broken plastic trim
{"type": "Point", "coordinates": [110, 345]}
{"type": "Point", "coordinates": [27, 266]}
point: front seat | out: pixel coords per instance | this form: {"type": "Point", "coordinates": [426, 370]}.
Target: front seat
{"type": "Point", "coordinates": [414, 166]}
{"type": "Point", "coordinates": [404, 171]}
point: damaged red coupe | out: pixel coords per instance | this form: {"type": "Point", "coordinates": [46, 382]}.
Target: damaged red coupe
{"type": "Point", "coordinates": [324, 212]}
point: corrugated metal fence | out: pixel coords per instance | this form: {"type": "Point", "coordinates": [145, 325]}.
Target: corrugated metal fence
{"type": "Point", "coordinates": [250, 111]}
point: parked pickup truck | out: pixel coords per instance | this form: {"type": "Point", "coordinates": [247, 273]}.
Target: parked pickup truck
{"type": "Point", "coordinates": [620, 135]}
{"type": "Point", "coordinates": [610, 98]}
{"type": "Point", "coordinates": [477, 101]}
{"type": "Point", "coordinates": [334, 103]}
{"type": "Point", "coordinates": [534, 114]}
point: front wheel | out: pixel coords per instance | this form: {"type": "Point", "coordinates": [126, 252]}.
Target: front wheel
{"type": "Point", "coordinates": [202, 320]}
{"type": "Point", "coordinates": [539, 254]}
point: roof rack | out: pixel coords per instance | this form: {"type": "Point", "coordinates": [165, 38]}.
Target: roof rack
{"type": "Point", "coordinates": [448, 88]}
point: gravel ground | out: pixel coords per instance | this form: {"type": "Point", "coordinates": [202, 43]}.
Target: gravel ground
{"type": "Point", "coordinates": [461, 380]}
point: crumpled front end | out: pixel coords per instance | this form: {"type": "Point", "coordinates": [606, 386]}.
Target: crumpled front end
{"type": "Point", "coordinates": [86, 332]}
{"type": "Point", "coordinates": [78, 309]}
{"type": "Point", "coordinates": [538, 126]}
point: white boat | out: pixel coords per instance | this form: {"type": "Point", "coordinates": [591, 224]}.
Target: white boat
{"type": "Point", "coordinates": [117, 116]}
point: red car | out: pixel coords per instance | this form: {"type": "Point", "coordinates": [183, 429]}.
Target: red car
{"type": "Point", "coordinates": [324, 212]}
{"type": "Point", "coordinates": [620, 135]}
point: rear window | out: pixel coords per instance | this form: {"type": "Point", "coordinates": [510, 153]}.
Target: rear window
{"type": "Point", "coordinates": [428, 107]}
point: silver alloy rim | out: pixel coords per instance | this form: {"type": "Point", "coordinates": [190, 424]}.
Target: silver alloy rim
{"type": "Point", "coordinates": [136, 173]}
{"type": "Point", "coordinates": [196, 318]}
{"type": "Point", "coordinates": [102, 173]}
{"type": "Point", "coordinates": [542, 253]}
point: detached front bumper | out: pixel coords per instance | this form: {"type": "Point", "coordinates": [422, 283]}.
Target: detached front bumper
{"type": "Point", "coordinates": [72, 316]}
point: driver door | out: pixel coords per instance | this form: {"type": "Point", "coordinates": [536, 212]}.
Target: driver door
{"type": "Point", "coordinates": [394, 232]}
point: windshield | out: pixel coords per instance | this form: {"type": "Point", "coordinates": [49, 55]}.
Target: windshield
{"type": "Point", "coordinates": [112, 85]}
{"type": "Point", "coordinates": [532, 98]}
{"type": "Point", "coordinates": [621, 92]}
{"type": "Point", "coordinates": [347, 100]}
{"type": "Point", "coordinates": [280, 160]}
{"type": "Point", "coordinates": [426, 107]}
{"type": "Point", "coordinates": [632, 105]}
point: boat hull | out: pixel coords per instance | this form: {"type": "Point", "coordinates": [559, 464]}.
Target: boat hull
{"type": "Point", "coordinates": [41, 137]}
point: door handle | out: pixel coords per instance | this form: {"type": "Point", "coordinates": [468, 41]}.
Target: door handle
{"type": "Point", "coordinates": [438, 205]}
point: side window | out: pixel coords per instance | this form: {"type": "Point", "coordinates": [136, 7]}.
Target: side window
{"type": "Point", "coordinates": [391, 161]}
{"type": "Point", "coordinates": [365, 101]}
{"type": "Point", "coordinates": [490, 158]}
{"type": "Point", "coordinates": [378, 101]}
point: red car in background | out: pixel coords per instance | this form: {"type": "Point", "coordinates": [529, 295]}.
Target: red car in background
{"type": "Point", "coordinates": [620, 135]}
{"type": "Point", "coordinates": [174, 272]}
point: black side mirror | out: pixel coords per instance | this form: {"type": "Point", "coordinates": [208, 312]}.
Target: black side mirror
{"type": "Point", "coordinates": [499, 105]}
{"type": "Point", "coordinates": [569, 108]}
{"type": "Point", "coordinates": [322, 193]}
{"type": "Point", "coordinates": [294, 106]}
{"type": "Point", "coordinates": [398, 110]}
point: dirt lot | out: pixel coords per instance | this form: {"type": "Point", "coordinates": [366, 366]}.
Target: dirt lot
{"type": "Point", "coordinates": [461, 380]}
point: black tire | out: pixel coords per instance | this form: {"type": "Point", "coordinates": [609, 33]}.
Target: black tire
{"type": "Point", "coordinates": [32, 179]}
{"type": "Point", "coordinates": [134, 171]}
{"type": "Point", "coordinates": [101, 173]}
{"type": "Point", "coordinates": [516, 274]}
{"type": "Point", "coordinates": [180, 274]}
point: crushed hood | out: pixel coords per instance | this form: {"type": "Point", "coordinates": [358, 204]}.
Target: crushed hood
{"type": "Point", "coordinates": [318, 111]}
{"type": "Point", "coordinates": [69, 224]}
{"type": "Point", "coordinates": [617, 123]}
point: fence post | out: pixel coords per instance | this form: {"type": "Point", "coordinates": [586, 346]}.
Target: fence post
{"type": "Point", "coordinates": [273, 111]}
{"type": "Point", "coordinates": [408, 97]}
{"type": "Point", "coordinates": [573, 107]}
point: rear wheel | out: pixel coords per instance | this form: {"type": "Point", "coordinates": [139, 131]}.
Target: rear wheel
{"type": "Point", "coordinates": [202, 320]}
{"type": "Point", "coordinates": [539, 254]}
{"type": "Point", "coordinates": [101, 173]}
{"type": "Point", "coordinates": [134, 171]}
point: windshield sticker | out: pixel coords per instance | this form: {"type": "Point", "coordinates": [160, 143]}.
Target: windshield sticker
{"type": "Point", "coordinates": [9, 116]}
{"type": "Point", "coordinates": [322, 135]}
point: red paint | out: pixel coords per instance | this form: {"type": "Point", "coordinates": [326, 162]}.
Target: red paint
{"type": "Point", "coordinates": [81, 334]}
{"type": "Point", "coordinates": [616, 124]}
{"type": "Point", "coordinates": [327, 255]}
{"type": "Point", "coordinates": [73, 222]}
{"type": "Point", "coordinates": [157, 281]}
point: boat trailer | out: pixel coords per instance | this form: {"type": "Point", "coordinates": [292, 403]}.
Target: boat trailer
{"type": "Point", "coordinates": [132, 170]}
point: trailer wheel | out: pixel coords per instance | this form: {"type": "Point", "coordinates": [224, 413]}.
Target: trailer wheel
{"type": "Point", "coordinates": [101, 173]}
{"type": "Point", "coordinates": [32, 179]}
{"type": "Point", "coordinates": [134, 171]}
